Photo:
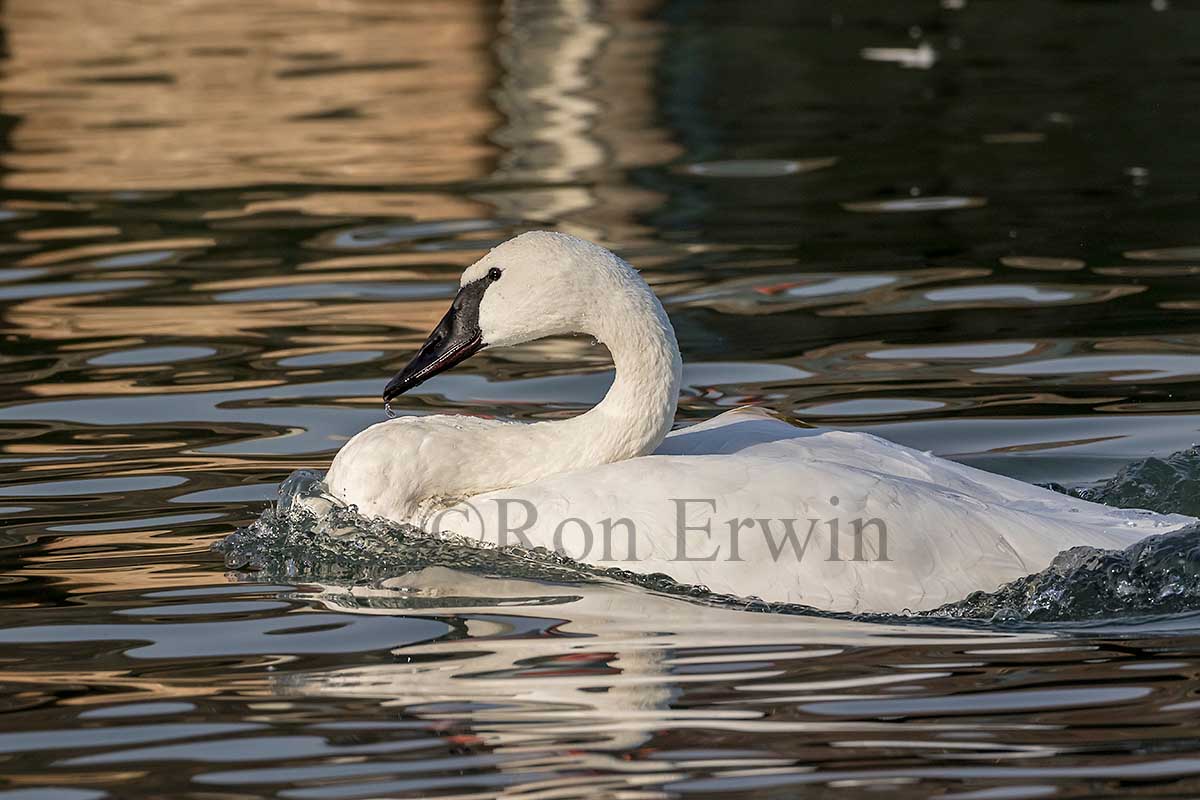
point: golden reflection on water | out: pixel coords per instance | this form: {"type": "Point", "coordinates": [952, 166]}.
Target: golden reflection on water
{"type": "Point", "coordinates": [124, 94]}
{"type": "Point", "coordinates": [68, 318]}
{"type": "Point", "coordinates": [541, 106]}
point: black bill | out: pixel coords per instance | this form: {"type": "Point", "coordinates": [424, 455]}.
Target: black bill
{"type": "Point", "coordinates": [456, 338]}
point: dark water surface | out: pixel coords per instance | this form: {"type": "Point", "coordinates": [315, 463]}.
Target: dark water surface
{"type": "Point", "coordinates": [971, 227]}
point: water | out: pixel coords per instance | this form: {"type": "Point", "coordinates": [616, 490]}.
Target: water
{"type": "Point", "coordinates": [966, 226]}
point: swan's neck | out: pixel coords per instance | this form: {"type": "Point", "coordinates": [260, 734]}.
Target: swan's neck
{"type": "Point", "coordinates": [639, 408]}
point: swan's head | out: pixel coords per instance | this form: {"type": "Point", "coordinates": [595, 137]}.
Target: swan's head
{"type": "Point", "coordinates": [537, 284]}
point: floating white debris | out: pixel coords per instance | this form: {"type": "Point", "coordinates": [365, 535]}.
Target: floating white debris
{"type": "Point", "coordinates": [757, 167]}
{"type": "Point", "coordinates": [922, 56]}
{"type": "Point", "coordinates": [933, 203]}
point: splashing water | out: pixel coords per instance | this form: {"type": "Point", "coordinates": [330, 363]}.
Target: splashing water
{"type": "Point", "coordinates": [1157, 575]}
{"type": "Point", "coordinates": [312, 536]}
{"type": "Point", "coordinates": [1167, 485]}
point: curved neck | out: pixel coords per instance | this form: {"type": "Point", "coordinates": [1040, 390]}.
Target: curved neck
{"type": "Point", "coordinates": [639, 408]}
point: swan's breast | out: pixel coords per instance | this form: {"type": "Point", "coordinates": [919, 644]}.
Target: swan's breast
{"type": "Point", "coordinates": [401, 468]}
{"type": "Point", "coordinates": [379, 470]}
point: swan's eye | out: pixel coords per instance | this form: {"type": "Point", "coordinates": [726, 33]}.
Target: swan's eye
{"type": "Point", "coordinates": [494, 274]}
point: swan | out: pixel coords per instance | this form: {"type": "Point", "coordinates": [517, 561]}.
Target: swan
{"type": "Point", "coordinates": [744, 503]}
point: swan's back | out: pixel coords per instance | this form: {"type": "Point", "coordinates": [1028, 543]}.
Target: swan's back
{"type": "Point", "coordinates": [837, 520]}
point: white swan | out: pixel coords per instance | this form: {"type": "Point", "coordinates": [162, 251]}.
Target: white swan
{"type": "Point", "coordinates": [744, 503]}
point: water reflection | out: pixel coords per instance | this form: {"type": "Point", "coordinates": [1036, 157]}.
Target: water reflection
{"type": "Point", "coordinates": [646, 692]}
{"type": "Point", "coordinates": [223, 225]}
{"type": "Point", "coordinates": [140, 98]}
{"type": "Point", "coordinates": [507, 676]}
{"type": "Point", "coordinates": [576, 89]}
